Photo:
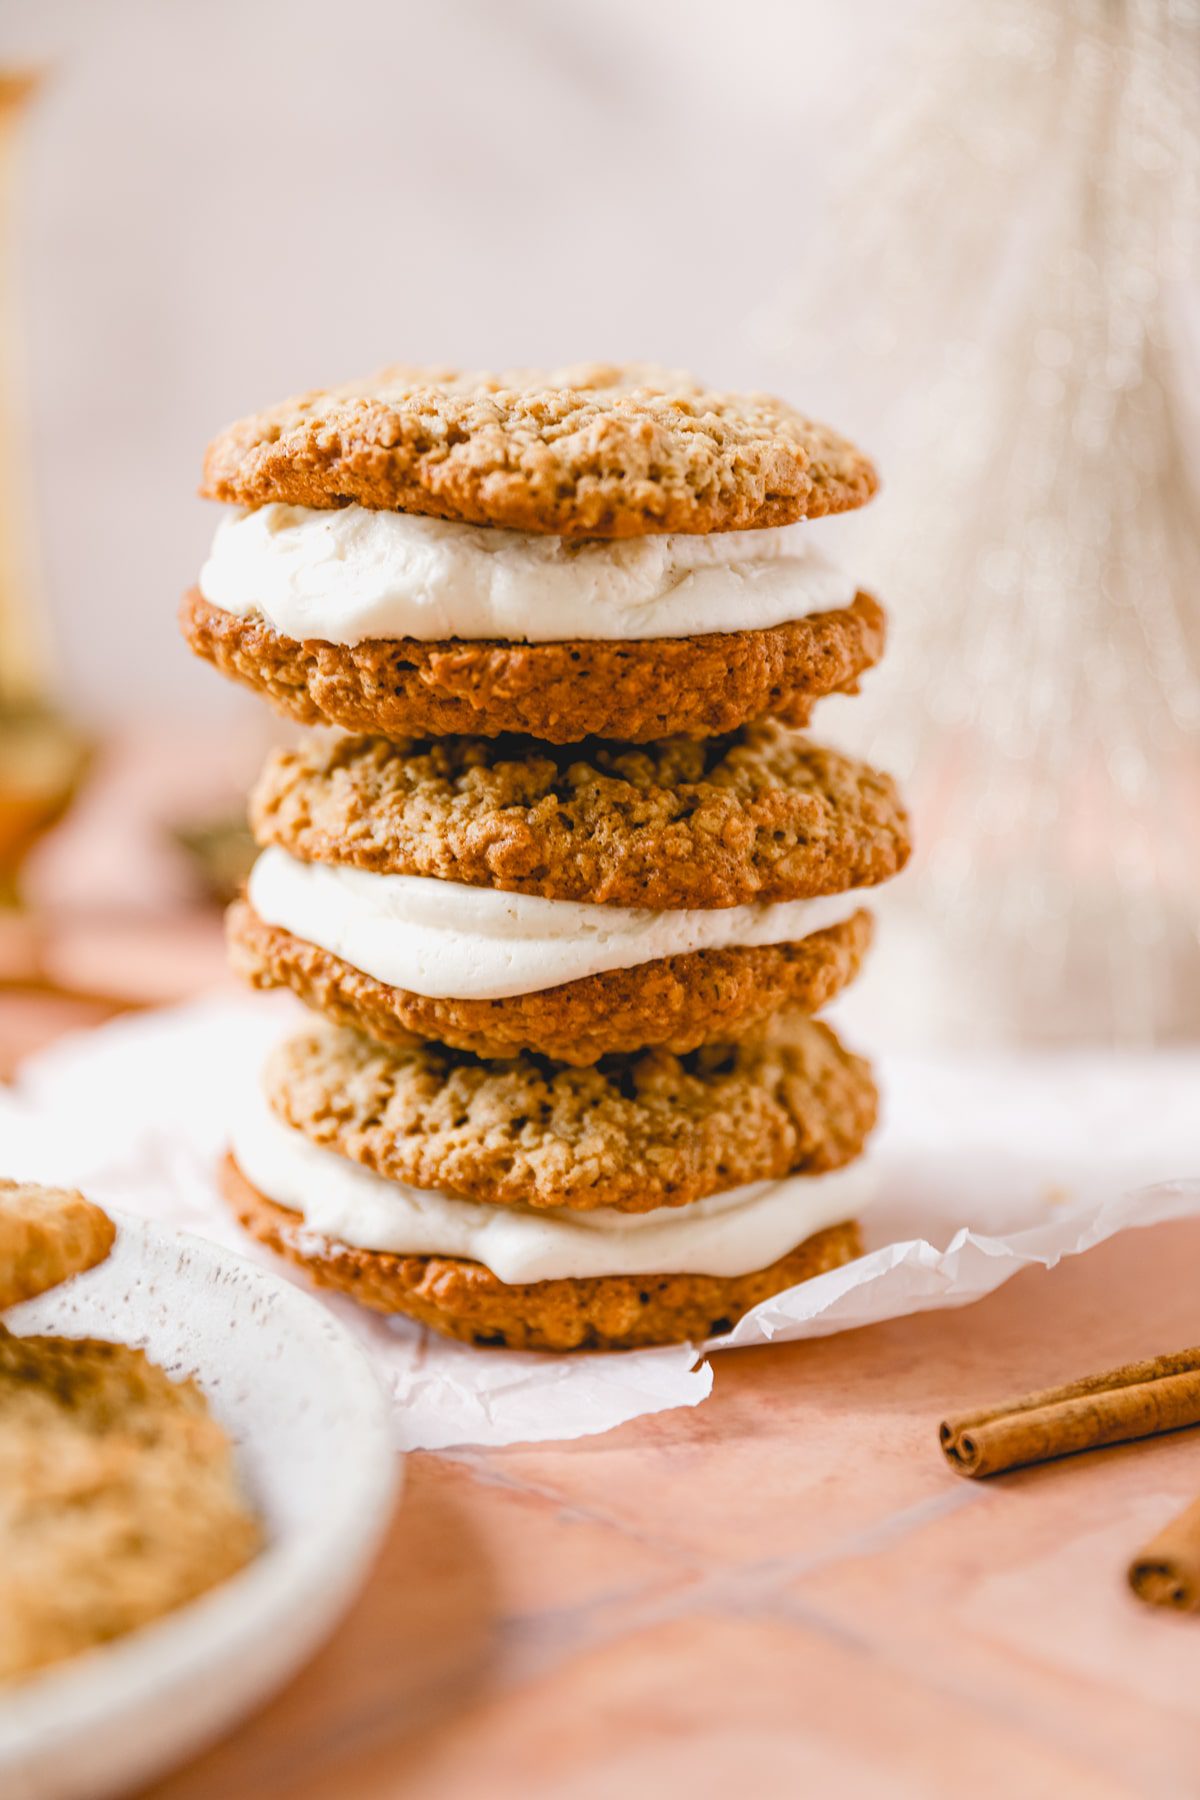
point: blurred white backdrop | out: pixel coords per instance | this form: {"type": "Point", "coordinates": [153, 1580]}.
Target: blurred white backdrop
{"type": "Point", "coordinates": [223, 203]}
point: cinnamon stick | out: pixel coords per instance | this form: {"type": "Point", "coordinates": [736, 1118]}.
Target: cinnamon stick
{"type": "Point", "coordinates": [1167, 1573]}
{"type": "Point", "coordinates": [1137, 1400]}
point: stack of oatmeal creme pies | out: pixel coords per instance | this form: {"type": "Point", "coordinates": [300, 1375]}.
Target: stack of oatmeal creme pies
{"type": "Point", "coordinates": [566, 884]}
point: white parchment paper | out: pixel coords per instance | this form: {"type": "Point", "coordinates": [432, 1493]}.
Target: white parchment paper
{"type": "Point", "coordinates": [985, 1167]}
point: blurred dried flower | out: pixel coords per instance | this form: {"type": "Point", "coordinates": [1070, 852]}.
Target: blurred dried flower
{"type": "Point", "coordinates": [1006, 284]}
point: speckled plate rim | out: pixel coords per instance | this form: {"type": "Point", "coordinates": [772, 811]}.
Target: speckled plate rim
{"type": "Point", "coordinates": [119, 1715]}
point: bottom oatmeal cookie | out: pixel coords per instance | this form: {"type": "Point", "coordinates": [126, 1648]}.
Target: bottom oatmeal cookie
{"type": "Point", "coordinates": [464, 1300]}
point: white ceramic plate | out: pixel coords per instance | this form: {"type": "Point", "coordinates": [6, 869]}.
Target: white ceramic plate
{"type": "Point", "coordinates": [310, 1423]}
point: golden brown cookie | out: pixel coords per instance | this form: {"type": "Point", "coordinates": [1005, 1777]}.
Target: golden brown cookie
{"type": "Point", "coordinates": [678, 1002]}
{"type": "Point", "coordinates": [631, 1132]}
{"type": "Point", "coordinates": [593, 451]}
{"type": "Point", "coordinates": [46, 1236]}
{"type": "Point", "coordinates": [465, 1300]}
{"type": "Point", "coordinates": [561, 692]}
{"type": "Point", "coordinates": [762, 815]}
{"type": "Point", "coordinates": [119, 1500]}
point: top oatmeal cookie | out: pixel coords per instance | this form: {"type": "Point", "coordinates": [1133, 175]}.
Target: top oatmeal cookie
{"type": "Point", "coordinates": [596, 450]}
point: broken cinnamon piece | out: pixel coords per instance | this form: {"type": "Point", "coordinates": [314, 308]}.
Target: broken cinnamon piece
{"type": "Point", "coordinates": [1137, 1400]}
{"type": "Point", "coordinates": [1167, 1572]}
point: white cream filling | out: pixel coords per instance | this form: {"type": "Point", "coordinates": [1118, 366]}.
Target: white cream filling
{"type": "Point", "coordinates": [729, 1234]}
{"type": "Point", "coordinates": [449, 941]}
{"type": "Point", "coordinates": [348, 574]}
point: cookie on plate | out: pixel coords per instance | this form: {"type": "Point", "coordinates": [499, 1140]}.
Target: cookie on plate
{"type": "Point", "coordinates": [585, 552]}
{"type": "Point", "coordinates": [118, 1498]}
{"type": "Point", "coordinates": [500, 895]}
{"type": "Point", "coordinates": [46, 1236]}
